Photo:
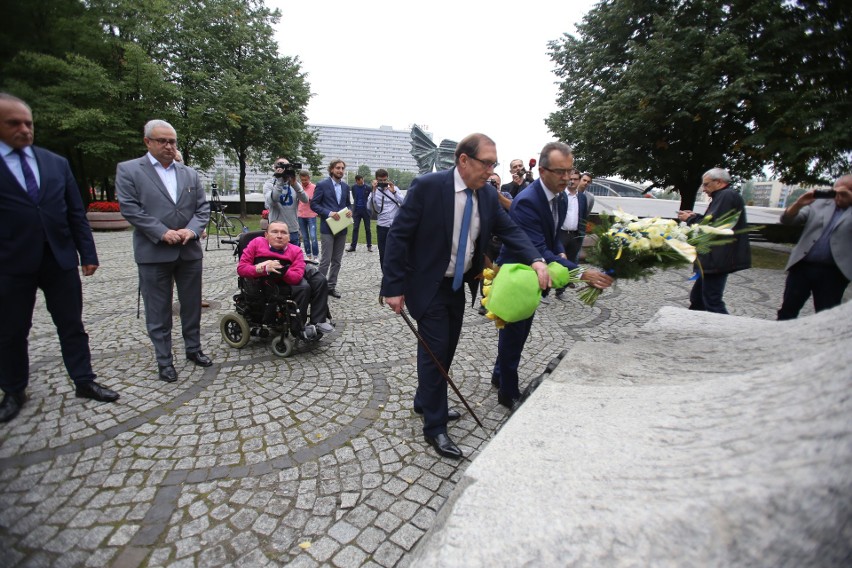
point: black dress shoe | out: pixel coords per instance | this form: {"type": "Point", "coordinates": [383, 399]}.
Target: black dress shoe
{"type": "Point", "coordinates": [444, 446]}
{"type": "Point", "coordinates": [168, 374]}
{"type": "Point", "coordinates": [510, 403]}
{"type": "Point", "coordinates": [200, 359]}
{"type": "Point", "coordinates": [334, 293]}
{"type": "Point", "coordinates": [93, 390]}
{"type": "Point", "coordinates": [350, 249]}
{"type": "Point", "coordinates": [11, 405]}
{"type": "Point", "coordinates": [452, 414]}
{"type": "Point", "coordinates": [495, 382]}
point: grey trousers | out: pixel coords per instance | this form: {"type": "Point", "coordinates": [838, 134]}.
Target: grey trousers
{"type": "Point", "coordinates": [331, 254]}
{"type": "Point", "coordinates": [157, 282]}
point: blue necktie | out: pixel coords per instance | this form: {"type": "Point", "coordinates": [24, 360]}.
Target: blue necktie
{"type": "Point", "coordinates": [29, 176]}
{"type": "Point", "coordinates": [463, 234]}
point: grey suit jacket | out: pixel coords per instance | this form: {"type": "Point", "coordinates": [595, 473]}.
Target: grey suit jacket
{"type": "Point", "coordinates": [146, 204]}
{"type": "Point", "coordinates": [815, 218]}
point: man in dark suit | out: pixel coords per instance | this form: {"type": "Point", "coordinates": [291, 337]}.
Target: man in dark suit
{"type": "Point", "coordinates": [427, 261]}
{"type": "Point", "coordinates": [46, 237]}
{"type": "Point", "coordinates": [330, 196]}
{"type": "Point", "coordinates": [539, 210]}
{"type": "Point", "coordinates": [163, 199]}
{"type": "Point", "coordinates": [712, 268]}
{"type": "Point", "coordinates": [573, 228]}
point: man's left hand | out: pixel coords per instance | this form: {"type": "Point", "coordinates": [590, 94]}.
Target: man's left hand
{"type": "Point", "coordinates": [89, 269]}
{"type": "Point", "coordinates": [186, 235]}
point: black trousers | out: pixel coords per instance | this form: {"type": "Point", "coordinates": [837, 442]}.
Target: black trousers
{"type": "Point", "coordinates": [824, 281]}
{"type": "Point", "coordinates": [357, 216]}
{"type": "Point", "coordinates": [63, 294]}
{"type": "Point", "coordinates": [440, 326]}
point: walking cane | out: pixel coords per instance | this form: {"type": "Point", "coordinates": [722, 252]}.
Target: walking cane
{"type": "Point", "coordinates": [437, 363]}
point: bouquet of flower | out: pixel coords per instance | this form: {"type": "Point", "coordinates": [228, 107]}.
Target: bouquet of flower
{"type": "Point", "coordinates": [630, 248]}
{"type": "Point", "coordinates": [103, 207]}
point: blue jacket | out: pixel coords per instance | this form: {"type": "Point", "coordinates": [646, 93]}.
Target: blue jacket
{"type": "Point", "coordinates": [324, 202]}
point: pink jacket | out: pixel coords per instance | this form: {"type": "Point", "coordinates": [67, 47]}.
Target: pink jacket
{"type": "Point", "coordinates": [259, 249]}
{"type": "Point", "coordinates": [305, 210]}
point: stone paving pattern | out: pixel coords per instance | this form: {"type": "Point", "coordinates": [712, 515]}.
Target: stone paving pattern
{"type": "Point", "coordinates": [312, 460]}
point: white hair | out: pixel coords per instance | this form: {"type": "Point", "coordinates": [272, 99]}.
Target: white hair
{"type": "Point", "coordinates": [152, 124]}
{"type": "Point", "coordinates": [720, 174]}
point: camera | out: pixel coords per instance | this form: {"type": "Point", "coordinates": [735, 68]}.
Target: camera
{"type": "Point", "coordinates": [382, 184]}
{"type": "Point", "coordinates": [493, 182]}
{"type": "Point", "coordinates": [289, 170]}
{"type": "Point", "coordinates": [824, 193]}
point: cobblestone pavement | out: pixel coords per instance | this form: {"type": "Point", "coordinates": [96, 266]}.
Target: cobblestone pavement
{"type": "Point", "coordinates": [316, 459]}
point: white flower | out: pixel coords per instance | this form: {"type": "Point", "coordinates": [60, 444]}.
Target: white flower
{"type": "Point", "coordinates": [715, 230]}
{"type": "Point", "coordinates": [685, 250]}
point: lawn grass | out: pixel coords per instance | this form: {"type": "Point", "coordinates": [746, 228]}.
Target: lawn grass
{"type": "Point", "coordinates": [762, 257]}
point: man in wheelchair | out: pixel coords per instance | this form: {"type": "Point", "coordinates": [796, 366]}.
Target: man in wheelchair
{"type": "Point", "coordinates": [274, 258]}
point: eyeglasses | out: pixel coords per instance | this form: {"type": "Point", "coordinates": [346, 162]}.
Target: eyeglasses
{"type": "Point", "coordinates": [488, 165]}
{"type": "Point", "coordinates": [558, 171]}
{"type": "Point", "coordinates": [164, 141]}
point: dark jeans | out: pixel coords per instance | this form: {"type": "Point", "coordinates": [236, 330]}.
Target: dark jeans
{"type": "Point", "coordinates": [510, 347]}
{"type": "Point", "coordinates": [824, 281]}
{"type": "Point", "coordinates": [382, 235]}
{"type": "Point", "coordinates": [706, 295]}
{"type": "Point", "coordinates": [357, 216]}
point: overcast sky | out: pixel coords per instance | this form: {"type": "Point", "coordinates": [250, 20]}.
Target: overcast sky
{"type": "Point", "coordinates": [454, 67]}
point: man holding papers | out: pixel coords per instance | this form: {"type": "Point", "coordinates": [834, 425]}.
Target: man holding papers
{"type": "Point", "coordinates": [331, 202]}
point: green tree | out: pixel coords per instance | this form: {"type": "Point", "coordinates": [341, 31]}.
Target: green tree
{"type": "Point", "coordinates": [664, 90]}
{"type": "Point", "coordinates": [401, 179]}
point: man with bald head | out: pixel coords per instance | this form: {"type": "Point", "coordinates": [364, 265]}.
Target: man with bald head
{"type": "Point", "coordinates": [49, 238]}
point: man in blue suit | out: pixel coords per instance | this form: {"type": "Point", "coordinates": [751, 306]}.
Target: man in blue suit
{"type": "Point", "coordinates": [45, 238]}
{"type": "Point", "coordinates": [540, 212]}
{"type": "Point", "coordinates": [430, 255]}
{"type": "Point", "coordinates": [330, 196]}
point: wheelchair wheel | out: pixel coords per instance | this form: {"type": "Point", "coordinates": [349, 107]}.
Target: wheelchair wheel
{"type": "Point", "coordinates": [282, 346]}
{"type": "Point", "coordinates": [235, 330]}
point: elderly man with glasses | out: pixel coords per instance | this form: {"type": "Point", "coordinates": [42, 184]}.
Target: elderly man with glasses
{"type": "Point", "coordinates": [435, 245]}
{"type": "Point", "coordinates": [712, 268]}
{"type": "Point", "coordinates": [164, 201]}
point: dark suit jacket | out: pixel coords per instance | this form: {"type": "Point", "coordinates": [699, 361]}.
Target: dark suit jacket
{"type": "Point", "coordinates": [733, 256]}
{"type": "Point", "coordinates": [324, 202]}
{"type": "Point", "coordinates": [146, 204]}
{"type": "Point", "coordinates": [420, 240]}
{"type": "Point", "coordinates": [60, 219]}
{"type": "Point", "coordinates": [531, 212]}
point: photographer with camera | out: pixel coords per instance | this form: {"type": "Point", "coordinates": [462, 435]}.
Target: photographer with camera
{"type": "Point", "coordinates": [521, 178]}
{"type": "Point", "coordinates": [385, 200]}
{"type": "Point", "coordinates": [282, 194]}
{"type": "Point", "coordinates": [821, 262]}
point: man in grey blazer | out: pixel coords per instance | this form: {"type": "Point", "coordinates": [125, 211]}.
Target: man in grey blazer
{"type": "Point", "coordinates": [821, 262]}
{"type": "Point", "coordinates": [164, 201]}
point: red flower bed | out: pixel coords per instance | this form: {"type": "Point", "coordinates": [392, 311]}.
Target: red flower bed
{"type": "Point", "coordinates": [104, 207]}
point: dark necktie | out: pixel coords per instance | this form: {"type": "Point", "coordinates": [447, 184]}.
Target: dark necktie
{"type": "Point", "coordinates": [29, 176]}
{"type": "Point", "coordinates": [554, 208]}
{"type": "Point", "coordinates": [463, 234]}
